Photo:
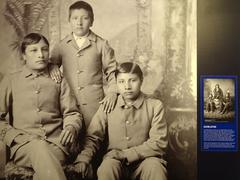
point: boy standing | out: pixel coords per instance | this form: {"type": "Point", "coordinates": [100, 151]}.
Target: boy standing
{"type": "Point", "coordinates": [44, 115]}
{"type": "Point", "coordinates": [137, 133]}
{"type": "Point", "coordinates": [85, 57]}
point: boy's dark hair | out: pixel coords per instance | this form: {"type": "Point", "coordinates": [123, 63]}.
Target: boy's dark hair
{"type": "Point", "coordinates": [82, 5]}
{"type": "Point", "coordinates": [32, 38]}
{"type": "Point", "coordinates": [129, 67]}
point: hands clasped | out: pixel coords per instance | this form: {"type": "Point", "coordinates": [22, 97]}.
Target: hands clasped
{"type": "Point", "coordinates": [116, 154]}
{"type": "Point", "coordinates": [82, 168]}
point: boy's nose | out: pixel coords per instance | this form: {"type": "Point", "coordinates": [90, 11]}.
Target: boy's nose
{"type": "Point", "coordinates": [40, 54]}
{"type": "Point", "coordinates": [127, 86]}
{"type": "Point", "coordinates": [80, 21]}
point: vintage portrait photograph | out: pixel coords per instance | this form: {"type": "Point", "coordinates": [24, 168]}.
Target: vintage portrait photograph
{"type": "Point", "coordinates": [104, 90]}
{"type": "Point", "coordinates": [219, 114]}
{"type": "Point", "coordinates": [219, 99]}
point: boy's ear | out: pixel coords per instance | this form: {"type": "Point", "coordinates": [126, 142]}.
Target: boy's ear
{"type": "Point", "coordinates": [24, 57]}
{"type": "Point", "coordinates": [141, 80]}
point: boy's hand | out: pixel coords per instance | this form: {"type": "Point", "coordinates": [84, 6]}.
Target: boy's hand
{"type": "Point", "coordinates": [109, 102]}
{"type": "Point", "coordinates": [68, 135]}
{"type": "Point", "coordinates": [82, 168]}
{"type": "Point", "coordinates": [116, 154]}
{"type": "Point", "coordinates": [55, 73]}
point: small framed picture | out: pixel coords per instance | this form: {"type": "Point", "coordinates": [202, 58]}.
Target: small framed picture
{"type": "Point", "coordinates": [218, 113]}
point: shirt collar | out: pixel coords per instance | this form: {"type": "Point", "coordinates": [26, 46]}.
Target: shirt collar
{"type": "Point", "coordinates": [78, 37]}
{"type": "Point", "coordinates": [91, 36]}
{"type": "Point", "coordinates": [137, 104]}
{"type": "Point", "coordinates": [28, 72]}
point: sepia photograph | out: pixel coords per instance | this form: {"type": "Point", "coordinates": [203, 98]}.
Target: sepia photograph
{"type": "Point", "coordinates": [101, 90]}
{"type": "Point", "coordinates": [219, 99]}
{"type": "Point", "coordinates": [219, 114]}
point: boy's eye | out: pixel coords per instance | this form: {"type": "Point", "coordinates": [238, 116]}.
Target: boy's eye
{"type": "Point", "coordinates": [133, 80]}
{"type": "Point", "coordinates": [74, 18]}
{"type": "Point", "coordinates": [45, 49]}
{"type": "Point", "coordinates": [33, 50]}
{"type": "Point", "coordinates": [120, 81]}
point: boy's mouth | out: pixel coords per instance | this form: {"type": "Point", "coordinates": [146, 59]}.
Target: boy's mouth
{"type": "Point", "coordinates": [41, 61]}
{"type": "Point", "coordinates": [128, 93]}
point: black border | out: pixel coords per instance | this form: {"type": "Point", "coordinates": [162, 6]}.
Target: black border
{"type": "Point", "coordinates": [218, 53]}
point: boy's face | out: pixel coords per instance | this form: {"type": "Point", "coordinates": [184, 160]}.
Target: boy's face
{"type": "Point", "coordinates": [36, 56]}
{"type": "Point", "coordinates": [129, 85]}
{"type": "Point", "coordinates": [80, 21]}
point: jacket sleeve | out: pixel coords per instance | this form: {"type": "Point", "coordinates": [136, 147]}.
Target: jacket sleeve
{"type": "Point", "coordinates": [69, 109]}
{"type": "Point", "coordinates": [156, 145]}
{"type": "Point", "coordinates": [94, 137]}
{"type": "Point", "coordinates": [109, 66]}
{"type": "Point", "coordinates": [56, 57]}
{"type": "Point", "coordinates": [7, 132]}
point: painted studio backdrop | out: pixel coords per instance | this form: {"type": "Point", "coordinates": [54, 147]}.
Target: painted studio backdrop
{"type": "Point", "coordinates": [160, 35]}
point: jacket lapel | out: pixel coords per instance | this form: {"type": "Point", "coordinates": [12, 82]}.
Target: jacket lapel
{"type": "Point", "coordinates": [86, 44]}
{"type": "Point", "coordinates": [72, 41]}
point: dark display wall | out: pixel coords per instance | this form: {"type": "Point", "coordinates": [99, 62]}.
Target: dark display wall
{"type": "Point", "coordinates": [218, 53]}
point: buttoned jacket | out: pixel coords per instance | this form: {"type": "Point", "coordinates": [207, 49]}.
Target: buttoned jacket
{"type": "Point", "coordinates": [38, 106]}
{"type": "Point", "coordinates": [85, 67]}
{"type": "Point", "coordinates": [140, 131]}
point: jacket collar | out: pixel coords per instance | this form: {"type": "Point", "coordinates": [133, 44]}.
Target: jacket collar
{"type": "Point", "coordinates": [91, 37]}
{"type": "Point", "coordinates": [29, 73]}
{"type": "Point", "coordinates": [137, 104]}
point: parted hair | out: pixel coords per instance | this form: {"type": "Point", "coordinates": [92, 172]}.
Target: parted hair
{"type": "Point", "coordinates": [129, 67]}
{"type": "Point", "coordinates": [32, 38]}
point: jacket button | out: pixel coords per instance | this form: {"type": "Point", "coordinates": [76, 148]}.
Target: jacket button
{"type": "Point", "coordinates": [127, 138]}
{"type": "Point", "coordinates": [37, 92]}
{"type": "Point", "coordinates": [38, 109]}
{"type": "Point", "coordinates": [127, 122]}
{"type": "Point", "coordinates": [80, 88]}
{"type": "Point", "coordinates": [79, 71]}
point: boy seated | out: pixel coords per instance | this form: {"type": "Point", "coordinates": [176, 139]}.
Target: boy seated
{"type": "Point", "coordinates": [210, 103]}
{"type": "Point", "coordinates": [136, 130]}
{"type": "Point", "coordinates": [45, 117]}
